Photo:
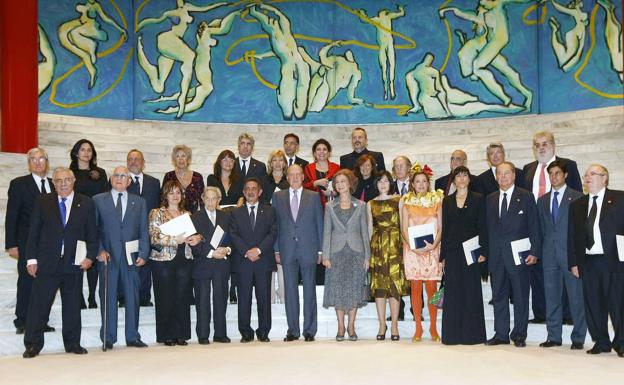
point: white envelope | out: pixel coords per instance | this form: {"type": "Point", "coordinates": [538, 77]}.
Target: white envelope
{"type": "Point", "coordinates": [179, 225]}
{"type": "Point", "coordinates": [427, 229]}
{"type": "Point", "coordinates": [469, 246]}
{"type": "Point", "coordinates": [131, 247]}
{"type": "Point", "coordinates": [81, 252]}
{"type": "Point", "coordinates": [216, 237]}
{"type": "Point", "coordinates": [518, 247]}
{"type": "Point", "coordinates": [619, 240]}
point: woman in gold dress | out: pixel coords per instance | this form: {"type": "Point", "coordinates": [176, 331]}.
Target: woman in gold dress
{"type": "Point", "coordinates": [422, 266]}
{"type": "Point", "coordinates": [386, 267]}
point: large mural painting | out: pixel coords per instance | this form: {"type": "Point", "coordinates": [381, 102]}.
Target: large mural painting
{"type": "Point", "coordinates": [327, 61]}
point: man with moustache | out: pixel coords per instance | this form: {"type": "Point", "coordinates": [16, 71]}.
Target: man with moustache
{"type": "Point", "coordinates": [359, 141]}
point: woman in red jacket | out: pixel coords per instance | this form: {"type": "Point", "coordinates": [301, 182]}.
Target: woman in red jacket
{"type": "Point", "coordinates": [318, 174]}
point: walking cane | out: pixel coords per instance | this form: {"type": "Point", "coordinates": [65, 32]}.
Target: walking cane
{"type": "Point", "coordinates": [105, 304]}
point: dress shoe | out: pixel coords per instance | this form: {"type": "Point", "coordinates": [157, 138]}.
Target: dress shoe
{"type": "Point", "coordinates": [537, 320]}
{"type": "Point", "coordinates": [83, 304]}
{"type": "Point", "coordinates": [30, 352]}
{"type": "Point", "coordinates": [19, 330]}
{"type": "Point", "coordinates": [136, 344]}
{"type": "Point", "coordinates": [577, 346]}
{"type": "Point", "coordinates": [308, 338]}
{"type": "Point", "coordinates": [290, 337]}
{"type": "Point", "coordinates": [92, 304]}
{"type": "Point", "coordinates": [621, 353]}
{"type": "Point", "coordinates": [246, 339]}
{"type": "Point", "coordinates": [262, 338]}
{"type": "Point", "coordinates": [495, 341]}
{"type": "Point", "coordinates": [491, 302]}
{"type": "Point", "coordinates": [181, 342]}
{"type": "Point", "coordinates": [520, 343]}
{"type": "Point", "coordinates": [568, 321]}
{"type": "Point", "coordinates": [108, 346]}
{"type": "Point", "coordinates": [549, 344]}
{"type": "Point", "coordinates": [49, 329]}
{"type": "Point", "coordinates": [223, 340]}
{"type": "Point", "coordinates": [147, 303]}
{"type": "Point", "coordinates": [170, 343]}
{"type": "Point", "coordinates": [76, 350]}
{"type": "Point", "coordinates": [597, 350]}
{"type": "Point", "coordinates": [204, 341]}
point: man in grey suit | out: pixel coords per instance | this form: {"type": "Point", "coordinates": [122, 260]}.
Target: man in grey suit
{"type": "Point", "coordinates": [299, 244]}
{"type": "Point", "coordinates": [552, 209]}
{"type": "Point", "coordinates": [124, 244]}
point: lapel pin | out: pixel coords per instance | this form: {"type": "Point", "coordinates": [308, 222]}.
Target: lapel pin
{"type": "Point", "coordinates": [517, 199]}
{"type": "Point", "coordinates": [78, 205]}
{"type": "Point", "coordinates": [608, 201]}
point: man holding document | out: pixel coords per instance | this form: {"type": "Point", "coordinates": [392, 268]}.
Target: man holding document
{"type": "Point", "coordinates": [62, 240]}
{"type": "Point", "coordinates": [596, 254]}
{"type": "Point", "coordinates": [514, 244]}
{"type": "Point", "coordinates": [124, 246]}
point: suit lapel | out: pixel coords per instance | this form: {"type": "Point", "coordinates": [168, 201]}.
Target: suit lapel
{"type": "Point", "coordinates": [129, 208]}
{"type": "Point", "coordinates": [74, 209]}
{"type": "Point", "coordinates": [531, 173]}
{"type": "Point", "coordinates": [56, 208]}
{"type": "Point", "coordinates": [607, 201]}
{"type": "Point", "coordinates": [32, 186]}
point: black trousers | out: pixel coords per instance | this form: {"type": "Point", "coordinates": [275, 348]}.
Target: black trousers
{"type": "Point", "coordinates": [24, 286]}
{"type": "Point", "coordinates": [603, 292]}
{"type": "Point", "coordinates": [217, 285]}
{"type": "Point", "coordinates": [42, 296]}
{"type": "Point", "coordinates": [172, 284]}
{"type": "Point", "coordinates": [248, 280]}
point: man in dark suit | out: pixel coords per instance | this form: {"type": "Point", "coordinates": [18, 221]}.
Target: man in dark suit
{"type": "Point", "coordinates": [596, 227]}
{"type": "Point", "coordinates": [23, 191]}
{"type": "Point", "coordinates": [248, 167]}
{"type": "Point", "coordinates": [211, 267]}
{"type": "Point", "coordinates": [147, 187]}
{"type": "Point", "coordinates": [458, 158]}
{"type": "Point", "coordinates": [291, 147]}
{"type": "Point", "coordinates": [552, 209]}
{"type": "Point", "coordinates": [359, 141]}
{"type": "Point", "coordinates": [299, 244]}
{"type": "Point", "coordinates": [511, 216]}
{"type": "Point", "coordinates": [124, 244]}
{"type": "Point", "coordinates": [536, 180]}
{"type": "Point", "coordinates": [60, 221]}
{"type": "Point", "coordinates": [253, 230]}
{"type": "Point", "coordinates": [487, 183]}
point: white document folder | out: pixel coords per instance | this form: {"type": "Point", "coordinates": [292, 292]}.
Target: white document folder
{"type": "Point", "coordinates": [471, 250]}
{"type": "Point", "coordinates": [520, 250]}
{"type": "Point", "coordinates": [419, 233]}
{"type": "Point", "coordinates": [179, 225]}
{"type": "Point", "coordinates": [81, 252]}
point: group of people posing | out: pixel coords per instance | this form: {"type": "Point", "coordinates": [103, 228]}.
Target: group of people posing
{"type": "Point", "coordinates": [350, 226]}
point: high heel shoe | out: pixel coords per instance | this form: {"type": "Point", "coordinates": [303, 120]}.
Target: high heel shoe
{"type": "Point", "coordinates": [435, 338]}
{"type": "Point", "coordinates": [394, 337]}
{"type": "Point", "coordinates": [382, 336]}
{"type": "Point", "coordinates": [340, 336]}
{"type": "Point", "coordinates": [416, 339]}
{"type": "Point", "coordinates": [354, 337]}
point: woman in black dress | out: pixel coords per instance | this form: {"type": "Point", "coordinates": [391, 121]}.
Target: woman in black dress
{"type": "Point", "coordinates": [227, 179]}
{"type": "Point", "coordinates": [366, 170]}
{"type": "Point", "coordinates": [463, 217]}
{"type": "Point", "coordinates": [90, 180]}
{"type": "Point", "coordinates": [275, 179]}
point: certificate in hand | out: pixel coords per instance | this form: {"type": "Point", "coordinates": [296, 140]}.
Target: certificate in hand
{"type": "Point", "coordinates": [217, 236]}
{"type": "Point", "coordinates": [520, 249]}
{"type": "Point", "coordinates": [619, 241]}
{"type": "Point", "coordinates": [179, 225]}
{"type": "Point", "coordinates": [421, 233]}
{"type": "Point", "coordinates": [472, 250]}
{"type": "Point", "coordinates": [81, 252]}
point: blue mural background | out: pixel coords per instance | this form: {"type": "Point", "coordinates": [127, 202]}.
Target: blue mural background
{"type": "Point", "coordinates": [239, 95]}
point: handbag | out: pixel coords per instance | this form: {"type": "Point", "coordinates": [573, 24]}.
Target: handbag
{"type": "Point", "coordinates": [437, 299]}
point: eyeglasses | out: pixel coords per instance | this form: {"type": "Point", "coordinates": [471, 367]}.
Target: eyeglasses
{"type": "Point", "coordinates": [593, 173]}
{"type": "Point", "coordinates": [120, 176]}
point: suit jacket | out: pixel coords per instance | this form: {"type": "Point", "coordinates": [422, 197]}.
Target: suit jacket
{"type": "Point", "coordinates": [23, 191]}
{"type": "Point", "coordinates": [115, 233]}
{"type": "Point", "coordinates": [47, 233]}
{"type": "Point", "coordinates": [255, 168]}
{"type": "Point", "coordinates": [300, 161]}
{"type": "Point", "coordinates": [301, 238]}
{"type": "Point", "coordinates": [349, 160]}
{"type": "Point", "coordinates": [487, 183]}
{"type": "Point", "coordinates": [244, 238]}
{"type": "Point", "coordinates": [521, 222]}
{"type": "Point", "coordinates": [554, 235]}
{"type": "Point", "coordinates": [442, 183]}
{"type": "Point", "coordinates": [354, 234]}
{"type": "Point", "coordinates": [150, 192]}
{"type": "Point", "coordinates": [202, 265]}
{"type": "Point", "coordinates": [611, 224]}
{"type": "Point", "coordinates": [573, 180]}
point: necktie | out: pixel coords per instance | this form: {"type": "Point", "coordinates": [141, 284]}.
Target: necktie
{"type": "Point", "coordinates": [290, 162]}
{"type": "Point", "coordinates": [589, 225]}
{"type": "Point", "coordinates": [43, 189]}
{"type": "Point", "coordinates": [118, 208]}
{"type": "Point", "coordinates": [252, 217]}
{"type": "Point", "coordinates": [63, 210]}
{"type": "Point", "coordinates": [555, 207]}
{"type": "Point", "coordinates": [213, 219]}
{"type": "Point", "coordinates": [244, 168]}
{"type": "Point", "coordinates": [404, 189]}
{"type": "Point", "coordinates": [503, 209]}
{"type": "Point", "coordinates": [138, 184]}
{"type": "Point", "coordinates": [542, 181]}
{"type": "Point", "coordinates": [294, 205]}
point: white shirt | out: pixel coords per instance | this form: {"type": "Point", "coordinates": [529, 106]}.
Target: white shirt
{"type": "Point", "coordinates": [509, 193]}
{"type": "Point", "coordinates": [124, 200]}
{"type": "Point", "coordinates": [597, 247]}
{"type": "Point", "coordinates": [536, 177]}
{"type": "Point", "coordinates": [288, 158]}
{"type": "Point", "coordinates": [561, 191]}
{"type": "Point", "coordinates": [133, 176]}
{"type": "Point", "coordinates": [68, 205]}
{"type": "Point", "coordinates": [247, 161]}
{"type": "Point", "coordinates": [401, 183]}
{"type": "Point", "coordinates": [211, 215]}
{"type": "Point", "coordinates": [38, 179]}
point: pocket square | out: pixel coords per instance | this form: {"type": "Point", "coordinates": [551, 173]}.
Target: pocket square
{"type": "Point", "coordinates": [520, 212]}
